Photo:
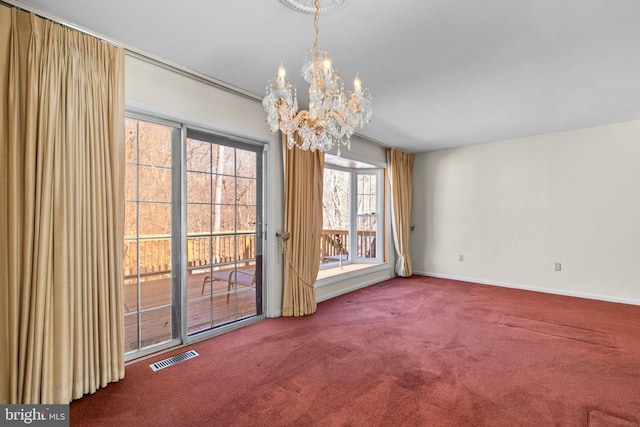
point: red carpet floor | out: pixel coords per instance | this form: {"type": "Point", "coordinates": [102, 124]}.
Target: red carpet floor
{"type": "Point", "coordinates": [408, 352]}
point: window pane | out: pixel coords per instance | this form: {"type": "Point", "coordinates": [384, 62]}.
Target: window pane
{"type": "Point", "coordinates": [246, 219]}
{"type": "Point", "coordinates": [198, 218]}
{"type": "Point", "coordinates": [154, 144]}
{"type": "Point", "coordinates": [198, 251]}
{"type": "Point", "coordinates": [334, 244]}
{"type": "Point", "coordinates": [246, 164]}
{"type": "Point", "coordinates": [224, 218]}
{"type": "Point", "coordinates": [198, 187]}
{"type": "Point", "coordinates": [155, 219]}
{"type": "Point", "coordinates": [155, 257]}
{"type": "Point", "coordinates": [155, 184]}
{"type": "Point", "coordinates": [130, 220]}
{"type": "Point", "coordinates": [246, 191]}
{"type": "Point", "coordinates": [200, 317]}
{"type": "Point", "coordinates": [155, 290]}
{"type": "Point", "coordinates": [156, 326]}
{"type": "Point", "coordinates": [246, 247]}
{"type": "Point", "coordinates": [130, 182]}
{"type": "Point", "coordinates": [224, 249]}
{"type": "Point", "coordinates": [335, 200]}
{"type": "Point", "coordinates": [224, 189]}
{"type": "Point", "coordinates": [223, 161]}
{"type": "Point", "coordinates": [130, 261]}
{"type": "Point", "coordinates": [367, 197]}
{"type": "Point", "coordinates": [367, 221]}
{"type": "Point", "coordinates": [198, 155]}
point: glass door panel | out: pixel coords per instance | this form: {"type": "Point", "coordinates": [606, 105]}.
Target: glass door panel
{"type": "Point", "coordinates": [148, 285]}
{"type": "Point", "coordinates": [223, 248]}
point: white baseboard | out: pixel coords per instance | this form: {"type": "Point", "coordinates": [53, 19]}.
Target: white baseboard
{"type": "Point", "coordinates": [274, 314]}
{"type": "Point", "coordinates": [352, 288]}
{"type": "Point", "coordinates": [531, 288]}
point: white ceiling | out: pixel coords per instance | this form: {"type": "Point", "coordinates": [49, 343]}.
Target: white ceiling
{"type": "Point", "coordinates": [443, 73]}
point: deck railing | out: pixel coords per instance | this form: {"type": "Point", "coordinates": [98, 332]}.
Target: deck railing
{"type": "Point", "coordinates": [216, 248]}
{"type": "Point", "coordinates": [219, 248]}
{"type": "Point", "coordinates": [336, 242]}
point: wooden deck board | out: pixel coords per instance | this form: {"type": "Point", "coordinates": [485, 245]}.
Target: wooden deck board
{"type": "Point", "coordinates": [206, 308]}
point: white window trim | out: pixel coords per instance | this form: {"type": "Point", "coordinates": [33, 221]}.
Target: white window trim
{"type": "Point", "coordinates": [353, 215]}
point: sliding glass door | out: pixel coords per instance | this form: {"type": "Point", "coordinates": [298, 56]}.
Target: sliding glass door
{"type": "Point", "coordinates": [224, 248]}
{"type": "Point", "coordinates": [193, 242]}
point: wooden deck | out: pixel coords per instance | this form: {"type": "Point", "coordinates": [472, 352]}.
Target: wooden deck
{"type": "Point", "coordinates": [207, 307]}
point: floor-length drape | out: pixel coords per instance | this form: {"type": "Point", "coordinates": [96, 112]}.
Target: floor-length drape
{"type": "Point", "coordinates": [61, 211]}
{"type": "Point", "coordinates": [401, 178]}
{"type": "Point", "coordinates": [303, 226]}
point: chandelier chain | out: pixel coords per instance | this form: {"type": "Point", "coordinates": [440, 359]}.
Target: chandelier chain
{"type": "Point", "coordinates": [315, 23]}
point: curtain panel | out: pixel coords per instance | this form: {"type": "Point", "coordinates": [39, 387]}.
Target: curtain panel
{"type": "Point", "coordinates": [61, 211]}
{"type": "Point", "coordinates": [303, 228]}
{"type": "Point", "coordinates": [401, 179]}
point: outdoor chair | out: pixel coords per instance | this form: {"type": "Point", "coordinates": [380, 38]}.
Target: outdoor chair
{"type": "Point", "coordinates": [233, 277]}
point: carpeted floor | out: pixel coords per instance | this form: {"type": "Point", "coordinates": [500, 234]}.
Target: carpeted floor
{"type": "Point", "coordinates": [407, 352]}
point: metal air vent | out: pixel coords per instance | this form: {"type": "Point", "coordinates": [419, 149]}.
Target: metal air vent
{"type": "Point", "coordinates": [174, 360]}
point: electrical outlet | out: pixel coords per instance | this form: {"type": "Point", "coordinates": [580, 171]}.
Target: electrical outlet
{"type": "Point", "coordinates": [460, 258]}
{"type": "Point", "coordinates": [558, 266]}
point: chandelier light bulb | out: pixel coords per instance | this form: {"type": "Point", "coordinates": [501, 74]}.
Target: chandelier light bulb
{"type": "Point", "coordinates": [357, 84]}
{"type": "Point", "coordinates": [333, 115]}
{"type": "Point", "coordinates": [327, 64]}
{"type": "Point", "coordinates": [282, 73]}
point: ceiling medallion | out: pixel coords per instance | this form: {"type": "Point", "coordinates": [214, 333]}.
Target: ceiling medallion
{"type": "Point", "coordinates": [307, 6]}
{"type": "Point", "coordinates": [333, 115]}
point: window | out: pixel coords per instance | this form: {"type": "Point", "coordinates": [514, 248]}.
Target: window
{"type": "Point", "coordinates": [352, 213]}
{"type": "Point", "coordinates": [367, 210]}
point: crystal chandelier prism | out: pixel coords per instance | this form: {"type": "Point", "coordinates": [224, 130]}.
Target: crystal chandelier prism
{"type": "Point", "coordinates": [333, 114]}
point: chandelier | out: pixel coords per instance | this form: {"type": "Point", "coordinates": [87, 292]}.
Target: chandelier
{"type": "Point", "coordinates": [333, 115]}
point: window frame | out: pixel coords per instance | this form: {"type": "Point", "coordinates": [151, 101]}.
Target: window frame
{"type": "Point", "coordinates": [354, 257]}
{"type": "Point", "coordinates": [378, 215]}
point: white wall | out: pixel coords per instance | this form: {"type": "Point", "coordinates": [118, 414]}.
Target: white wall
{"type": "Point", "coordinates": [515, 208]}
{"type": "Point", "coordinates": [174, 96]}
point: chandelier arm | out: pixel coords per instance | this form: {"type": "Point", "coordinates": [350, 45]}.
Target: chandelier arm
{"type": "Point", "coordinates": [338, 117]}
{"type": "Point", "coordinates": [300, 117]}
{"type": "Point", "coordinates": [341, 120]}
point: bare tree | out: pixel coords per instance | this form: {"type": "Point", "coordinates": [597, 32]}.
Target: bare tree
{"type": "Point", "coordinates": [335, 200]}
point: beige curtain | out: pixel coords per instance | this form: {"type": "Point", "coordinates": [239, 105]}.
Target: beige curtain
{"type": "Point", "coordinates": [303, 225]}
{"type": "Point", "coordinates": [61, 211]}
{"type": "Point", "coordinates": [401, 178]}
